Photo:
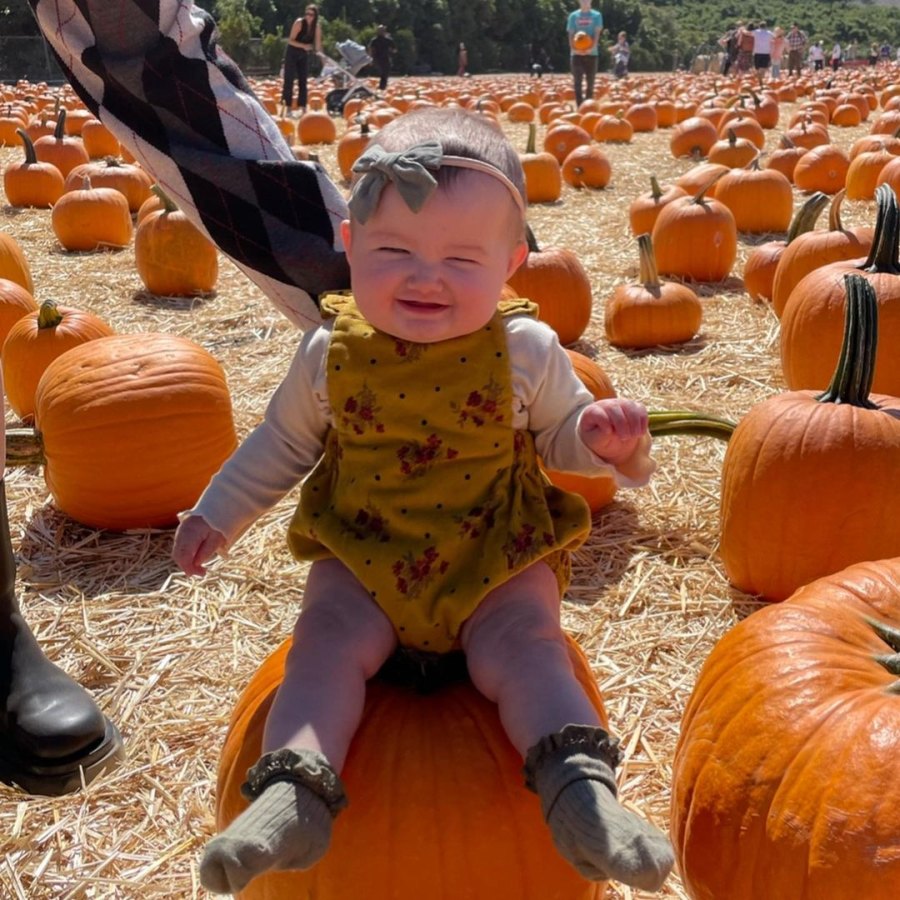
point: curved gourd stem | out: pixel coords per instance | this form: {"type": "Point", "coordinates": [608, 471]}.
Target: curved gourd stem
{"type": "Point", "coordinates": [688, 422]}
{"type": "Point", "coordinates": [700, 196]}
{"type": "Point", "coordinates": [852, 379]}
{"type": "Point", "coordinates": [24, 447]}
{"type": "Point", "coordinates": [883, 255]}
{"type": "Point", "coordinates": [167, 202]}
{"type": "Point", "coordinates": [28, 144]}
{"type": "Point", "coordinates": [531, 146]}
{"type": "Point", "coordinates": [60, 131]}
{"type": "Point", "coordinates": [807, 215]}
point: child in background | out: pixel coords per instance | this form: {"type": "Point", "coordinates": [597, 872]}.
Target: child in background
{"type": "Point", "coordinates": [414, 418]}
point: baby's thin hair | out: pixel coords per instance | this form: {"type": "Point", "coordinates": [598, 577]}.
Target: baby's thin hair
{"type": "Point", "coordinates": [460, 133]}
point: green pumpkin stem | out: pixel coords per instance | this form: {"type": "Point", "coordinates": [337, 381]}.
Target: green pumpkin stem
{"type": "Point", "coordinates": [883, 255]}
{"type": "Point", "coordinates": [28, 144]}
{"type": "Point", "coordinates": [890, 661]}
{"type": "Point", "coordinates": [852, 379]}
{"type": "Point", "coordinates": [688, 422]}
{"type": "Point", "coordinates": [531, 239]}
{"type": "Point", "coordinates": [167, 202]}
{"type": "Point", "coordinates": [60, 131]}
{"type": "Point", "coordinates": [807, 216]}
{"type": "Point", "coordinates": [24, 447]}
{"type": "Point", "coordinates": [49, 315]}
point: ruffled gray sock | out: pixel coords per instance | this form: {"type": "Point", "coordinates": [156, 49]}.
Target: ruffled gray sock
{"type": "Point", "coordinates": [287, 826]}
{"type": "Point", "coordinates": [572, 773]}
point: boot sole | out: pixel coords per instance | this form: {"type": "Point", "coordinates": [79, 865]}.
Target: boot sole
{"type": "Point", "coordinates": [53, 778]}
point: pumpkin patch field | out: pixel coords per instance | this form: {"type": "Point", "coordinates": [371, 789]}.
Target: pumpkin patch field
{"type": "Point", "coordinates": [727, 178]}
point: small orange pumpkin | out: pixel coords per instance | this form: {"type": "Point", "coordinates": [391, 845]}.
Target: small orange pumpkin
{"type": "Point", "coordinates": [556, 280]}
{"type": "Point", "coordinates": [35, 340]}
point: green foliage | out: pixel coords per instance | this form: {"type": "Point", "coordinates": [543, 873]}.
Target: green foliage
{"type": "Point", "coordinates": [508, 35]}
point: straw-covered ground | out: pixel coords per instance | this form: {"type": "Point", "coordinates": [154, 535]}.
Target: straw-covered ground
{"type": "Point", "coordinates": [166, 656]}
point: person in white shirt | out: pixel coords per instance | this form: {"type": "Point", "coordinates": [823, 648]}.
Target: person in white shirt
{"type": "Point", "coordinates": [817, 56]}
{"type": "Point", "coordinates": [836, 56]}
{"type": "Point", "coordinates": [762, 48]}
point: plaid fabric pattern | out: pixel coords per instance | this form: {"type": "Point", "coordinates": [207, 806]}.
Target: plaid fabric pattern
{"type": "Point", "coordinates": [151, 71]}
{"type": "Point", "coordinates": [796, 40]}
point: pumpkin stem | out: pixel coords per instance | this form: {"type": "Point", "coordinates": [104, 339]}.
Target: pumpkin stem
{"type": "Point", "coordinates": [883, 255]}
{"type": "Point", "coordinates": [680, 421]}
{"type": "Point", "coordinates": [834, 211]}
{"type": "Point", "coordinates": [531, 239]}
{"type": "Point", "coordinates": [700, 196]}
{"type": "Point", "coordinates": [531, 146]}
{"type": "Point", "coordinates": [852, 379]}
{"type": "Point", "coordinates": [24, 447]}
{"type": "Point", "coordinates": [167, 202]}
{"type": "Point", "coordinates": [28, 144]}
{"type": "Point", "coordinates": [649, 275]}
{"type": "Point", "coordinates": [60, 131]}
{"type": "Point", "coordinates": [807, 215]}
{"type": "Point", "coordinates": [49, 315]}
{"type": "Point", "coordinates": [890, 661]}
{"type": "Point", "coordinates": [655, 190]}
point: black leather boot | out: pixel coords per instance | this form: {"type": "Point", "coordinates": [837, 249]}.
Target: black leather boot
{"type": "Point", "coordinates": [52, 735]}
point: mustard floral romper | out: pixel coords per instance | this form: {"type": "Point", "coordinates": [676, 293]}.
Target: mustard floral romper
{"type": "Point", "coordinates": [425, 491]}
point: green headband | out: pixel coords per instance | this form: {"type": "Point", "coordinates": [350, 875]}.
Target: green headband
{"type": "Point", "coordinates": [410, 171]}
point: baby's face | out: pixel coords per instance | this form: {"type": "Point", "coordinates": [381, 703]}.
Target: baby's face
{"type": "Point", "coordinates": [436, 274]}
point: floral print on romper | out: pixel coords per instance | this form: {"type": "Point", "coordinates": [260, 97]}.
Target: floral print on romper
{"type": "Point", "coordinates": [425, 490]}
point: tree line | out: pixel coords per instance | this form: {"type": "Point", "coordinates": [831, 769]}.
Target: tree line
{"type": "Point", "coordinates": [510, 35]}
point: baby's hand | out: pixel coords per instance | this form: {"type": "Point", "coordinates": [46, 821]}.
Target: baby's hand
{"type": "Point", "coordinates": [195, 543]}
{"type": "Point", "coordinates": [613, 428]}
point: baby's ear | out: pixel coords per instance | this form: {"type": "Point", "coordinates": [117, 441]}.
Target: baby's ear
{"type": "Point", "coordinates": [517, 257]}
{"type": "Point", "coordinates": [346, 235]}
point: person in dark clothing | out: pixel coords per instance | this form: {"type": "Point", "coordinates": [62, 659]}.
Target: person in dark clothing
{"type": "Point", "coordinates": [304, 42]}
{"type": "Point", "coordinates": [381, 47]}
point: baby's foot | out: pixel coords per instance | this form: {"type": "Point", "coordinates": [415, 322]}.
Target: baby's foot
{"type": "Point", "coordinates": [287, 826]}
{"type": "Point", "coordinates": [572, 773]}
{"type": "Point", "coordinates": [602, 840]}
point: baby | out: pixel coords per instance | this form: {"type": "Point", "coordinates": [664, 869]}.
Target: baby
{"type": "Point", "coordinates": [414, 418]}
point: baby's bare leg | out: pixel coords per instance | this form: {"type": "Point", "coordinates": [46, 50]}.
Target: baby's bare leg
{"type": "Point", "coordinates": [340, 640]}
{"type": "Point", "coordinates": [517, 657]}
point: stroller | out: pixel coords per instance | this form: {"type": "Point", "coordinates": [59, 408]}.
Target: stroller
{"type": "Point", "coordinates": [346, 84]}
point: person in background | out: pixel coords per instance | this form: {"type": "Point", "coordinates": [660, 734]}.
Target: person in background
{"type": "Point", "coordinates": [746, 43]}
{"type": "Point", "coordinates": [778, 46]}
{"type": "Point", "coordinates": [462, 61]}
{"type": "Point", "coordinates": [873, 53]}
{"type": "Point", "coordinates": [817, 56]}
{"type": "Point", "coordinates": [835, 56]}
{"type": "Point", "coordinates": [304, 42]}
{"type": "Point", "coordinates": [762, 50]}
{"type": "Point", "coordinates": [796, 44]}
{"type": "Point", "coordinates": [729, 44]}
{"type": "Point", "coordinates": [381, 47]}
{"type": "Point", "coordinates": [584, 61]}
{"type": "Point", "coordinates": [621, 53]}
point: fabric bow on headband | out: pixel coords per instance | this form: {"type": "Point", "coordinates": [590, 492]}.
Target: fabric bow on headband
{"type": "Point", "coordinates": [407, 170]}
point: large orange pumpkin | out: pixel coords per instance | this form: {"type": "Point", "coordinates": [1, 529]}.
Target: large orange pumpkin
{"type": "Point", "coordinates": [785, 773]}
{"type": "Point", "coordinates": [810, 482]}
{"type": "Point", "coordinates": [437, 802]}
{"type": "Point", "coordinates": [133, 427]}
